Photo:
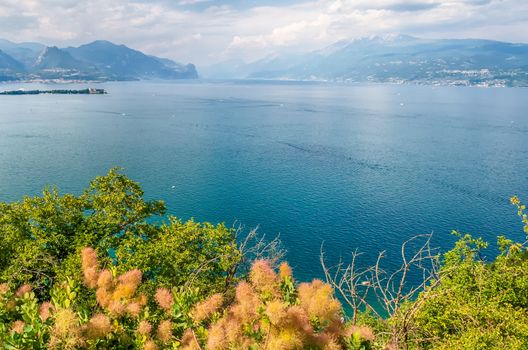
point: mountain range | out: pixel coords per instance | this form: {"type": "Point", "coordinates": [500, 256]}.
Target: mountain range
{"type": "Point", "coordinates": [99, 60]}
{"type": "Point", "coordinates": [383, 59]}
{"type": "Point", "coordinates": [394, 59]}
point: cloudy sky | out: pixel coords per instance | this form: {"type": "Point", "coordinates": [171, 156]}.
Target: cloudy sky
{"type": "Point", "coordinates": [208, 31]}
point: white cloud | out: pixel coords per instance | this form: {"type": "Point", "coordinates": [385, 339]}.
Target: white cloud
{"type": "Point", "coordinates": [280, 36]}
{"type": "Point", "coordinates": [191, 2]}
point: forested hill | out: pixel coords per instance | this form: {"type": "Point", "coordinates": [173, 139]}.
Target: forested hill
{"type": "Point", "coordinates": [99, 60]}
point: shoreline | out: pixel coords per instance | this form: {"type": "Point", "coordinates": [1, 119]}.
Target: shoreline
{"type": "Point", "coordinates": [88, 91]}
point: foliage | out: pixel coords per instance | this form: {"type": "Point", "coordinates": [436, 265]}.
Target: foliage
{"type": "Point", "coordinates": [180, 253]}
{"type": "Point", "coordinates": [478, 305]}
{"type": "Point", "coordinates": [42, 238]}
{"type": "Point", "coordinates": [150, 284]}
{"type": "Point", "coordinates": [383, 299]}
{"type": "Point", "coordinates": [465, 302]}
{"type": "Point", "coordinates": [268, 312]}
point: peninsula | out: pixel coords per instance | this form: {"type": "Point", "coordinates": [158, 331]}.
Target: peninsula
{"type": "Point", "coordinates": [89, 91]}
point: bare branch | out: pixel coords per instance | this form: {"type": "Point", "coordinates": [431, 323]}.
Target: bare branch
{"type": "Point", "coordinates": [372, 288]}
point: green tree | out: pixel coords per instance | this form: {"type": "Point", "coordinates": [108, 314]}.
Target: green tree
{"type": "Point", "coordinates": [42, 237]}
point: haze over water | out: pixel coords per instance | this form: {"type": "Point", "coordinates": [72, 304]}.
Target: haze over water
{"type": "Point", "coordinates": [360, 166]}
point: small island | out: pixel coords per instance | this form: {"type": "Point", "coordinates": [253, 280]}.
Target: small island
{"type": "Point", "coordinates": [89, 91]}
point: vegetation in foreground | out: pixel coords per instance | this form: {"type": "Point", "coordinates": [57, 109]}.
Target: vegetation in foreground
{"type": "Point", "coordinates": [97, 271]}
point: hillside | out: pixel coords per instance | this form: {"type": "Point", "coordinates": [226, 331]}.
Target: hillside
{"type": "Point", "coordinates": [8, 63]}
{"type": "Point", "coordinates": [126, 63]}
{"type": "Point", "coordinates": [99, 60]}
{"type": "Point", "coordinates": [400, 59]}
{"type": "Point", "coordinates": [24, 53]}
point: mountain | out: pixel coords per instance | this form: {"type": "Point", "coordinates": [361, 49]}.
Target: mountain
{"type": "Point", "coordinates": [9, 67]}
{"type": "Point", "coordinates": [185, 69]}
{"type": "Point", "coordinates": [55, 58]}
{"type": "Point", "coordinates": [401, 59]}
{"type": "Point", "coordinates": [8, 63]}
{"type": "Point", "coordinates": [385, 59]}
{"type": "Point", "coordinates": [54, 63]}
{"type": "Point", "coordinates": [25, 53]}
{"type": "Point", "coordinates": [99, 60]}
{"type": "Point", "coordinates": [126, 63]}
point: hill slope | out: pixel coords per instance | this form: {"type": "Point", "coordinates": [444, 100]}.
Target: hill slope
{"type": "Point", "coordinates": [99, 60]}
{"type": "Point", "coordinates": [125, 63]}
{"type": "Point", "coordinates": [9, 67]}
{"type": "Point", "coordinates": [25, 53]}
{"type": "Point", "coordinates": [55, 58]}
{"type": "Point", "coordinates": [400, 59]}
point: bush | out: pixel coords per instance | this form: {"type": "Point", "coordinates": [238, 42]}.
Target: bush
{"type": "Point", "coordinates": [268, 312]}
{"type": "Point", "coordinates": [462, 301]}
{"type": "Point", "coordinates": [478, 304]}
{"type": "Point", "coordinates": [42, 238]}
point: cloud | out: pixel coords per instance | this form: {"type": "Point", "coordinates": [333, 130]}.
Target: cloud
{"type": "Point", "coordinates": [280, 36]}
{"type": "Point", "coordinates": [208, 31]}
{"type": "Point", "coordinates": [390, 5]}
{"type": "Point", "coordinates": [191, 2]}
{"type": "Point", "coordinates": [409, 7]}
{"type": "Point", "coordinates": [478, 2]}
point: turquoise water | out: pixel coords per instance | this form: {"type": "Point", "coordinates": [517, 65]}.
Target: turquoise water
{"type": "Point", "coordinates": [351, 166]}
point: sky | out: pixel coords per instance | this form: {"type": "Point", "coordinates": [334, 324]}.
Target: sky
{"type": "Point", "coordinates": [206, 32]}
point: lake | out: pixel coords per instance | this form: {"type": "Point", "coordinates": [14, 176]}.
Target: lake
{"type": "Point", "coordinates": [353, 166]}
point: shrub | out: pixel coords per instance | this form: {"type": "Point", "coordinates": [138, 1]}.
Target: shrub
{"type": "Point", "coordinates": [43, 236]}
{"type": "Point", "coordinates": [267, 312]}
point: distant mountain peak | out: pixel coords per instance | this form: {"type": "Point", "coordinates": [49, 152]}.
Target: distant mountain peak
{"type": "Point", "coordinates": [103, 44]}
{"type": "Point", "coordinates": [392, 37]}
{"type": "Point", "coordinates": [48, 50]}
{"type": "Point", "coordinates": [8, 63]}
{"type": "Point", "coordinates": [7, 45]}
{"type": "Point", "coordinates": [53, 57]}
{"type": "Point", "coordinates": [381, 39]}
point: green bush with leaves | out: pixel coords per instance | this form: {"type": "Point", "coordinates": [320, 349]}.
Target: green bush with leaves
{"type": "Point", "coordinates": [462, 301]}
{"type": "Point", "coordinates": [42, 237]}
{"type": "Point", "coordinates": [478, 304]}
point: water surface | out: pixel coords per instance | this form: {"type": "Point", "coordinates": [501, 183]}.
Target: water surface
{"type": "Point", "coordinates": [351, 166]}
